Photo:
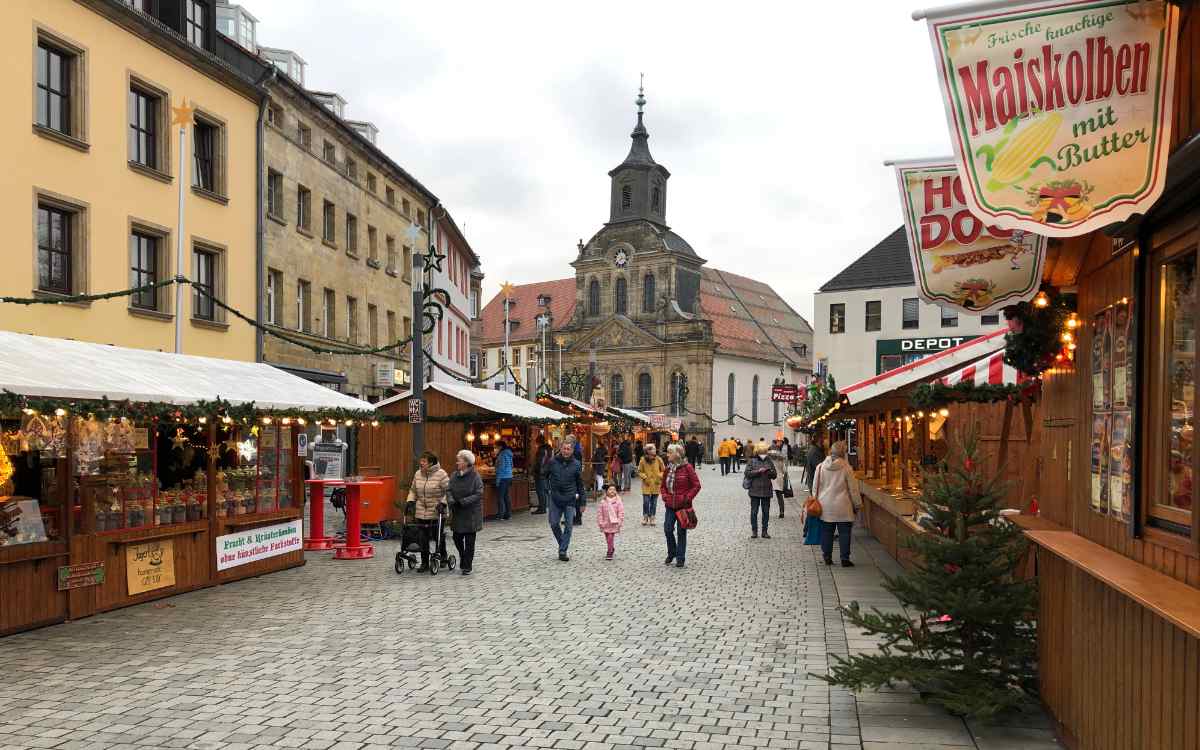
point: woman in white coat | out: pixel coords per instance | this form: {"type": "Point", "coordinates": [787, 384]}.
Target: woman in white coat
{"type": "Point", "coordinates": [836, 487]}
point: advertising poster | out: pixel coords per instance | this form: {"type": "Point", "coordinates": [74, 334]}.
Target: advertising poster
{"type": "Point", "coordinates": [1101, 362]}
{"type": "Point", "coordinates": [1060, 112]}
{"type": "Point", "coordinates": [958, 260]}
{"type": "Point", "coordinates": [1099, 463]}
{"type": "Point", "coordinates": [1121, 322]}
{"type": "Point", "coordinates": [1120, 466]}
{"type": "Point", "coordinates": [259, 544]}
{"type": "Point", "coordinates": [150, 565]}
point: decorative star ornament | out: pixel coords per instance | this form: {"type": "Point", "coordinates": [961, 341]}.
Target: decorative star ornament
{"type": "Point", "coordinates": [214, 452]}
{"type": "Point", "coordinates": [506, 290]}
{"type": "Point", "coordinates": [180, 440]}
{"type": "Point", "coordinates": [433, 260]}
{"type": "Point", "coordinates": [182, 115]}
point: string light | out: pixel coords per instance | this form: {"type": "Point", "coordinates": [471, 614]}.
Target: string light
{"type": "Point", "coordinates": [374, 422]}
{"type": "Point", "coordinates": [300, 421]}
{"type": "Point", "coordinates": [202, 420]}
{"type": "Point", "coordinates": [60, 412]}
{"type": "Point", "coordinates": [943, 412]}
{"type": "Point", "coordinates": [1041, 300]}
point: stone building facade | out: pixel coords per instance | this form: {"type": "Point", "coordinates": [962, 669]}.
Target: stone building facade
{"type": "Point", "coordinates": [343, 222]}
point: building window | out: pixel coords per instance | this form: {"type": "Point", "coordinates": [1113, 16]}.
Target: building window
{"type": "Point", "coordinates": [329, 314]}
{"type": "Point", "coordinates": [275, 193]}
{"type": "Point", "coordinates": [874, 315]}
{"type": "Point", "coordinates": [304, 135]}
{"type": "Point", "coordinates": [351, 169]}
{"type": "Point", "coordinates": [407, 326]}
{"type": "Point", "coordinates": [392, 335]}
{"type": "Point", "coordinates": [195, 21]}
{"type": "Point", "coordinates": [622, 297]}
{"type": "Point", "coordinates": [391, 254]}
{"type": "Point", "coordinates": [990, 320]}
{"type": "Point", "coordinates": [655, 198]}
{"type": "Point", "coordinates": [205, 172]}
{"type": "Point", "coordinates": [329, 153]}
{"type": "Point", "coordinates": [754, 400]}
{"type": "Point", "coordinates": [303, 208]}
{"type": "Point", "coordinates": [407, 264]}
{"type": "Point", "coordinates": [730, 396]}
{"type": "Point", "coordinates": [949, 318]}
{"type": "Point", "coordinates": [474, 303]}
{"type": "Point", "coordinates": [474, 365]}
{"type": "Point", "coordinates": [303, 306]}
{"type": "Point", "coordinates": [648, 293]}
{"type": "Point", "coordinates": [372, 245]}
{"type": "Point", "coordinates": [1173, 354]}
{"type": "Point", "coordinates": [54, 74]}
{"type": "Point", "coordinates": [803, 350]}
{"type": "Point", "coordinates": [205, 268]}
{"type": "Point", "coordinates": [594, 298]}
{"type": "Point", "coordinates": [143, 267]}
{"type": "Point", "coordinates": [677, 394]}
{"type": "Point", "coordinates": [626, 197]}
{"type": "Point", "coordinates": [911, 313]}
{"type": "Point", "coordinates": [421, 217]}
{"type": "Point", "coordinates": [143, 128]}
{"type": "Point", "coordinates": [616, 390]}
{"type": "Point", "coordinates": [274, 301]}
{"type": "Point", "coordinates": [275, 115]}
{"type": "Point", "coordinates": [352, 320]}
{"type": "Point", "coordinates": [644, 390]}
{"type": "Point", "coordinates": [328, 222]}
{"type": "Point", "coordinates": [54, 249]}
{"type": "Point", "coordinates": [373, 324]}
{"type": "Point", "coordinates": [351, 234]}
{"type": "Point", "coordinates": [405, 207]}
{"type": "Point", "coordinates": [371, 183]}
{"type": "Point", "coordinates": [391, 195]}
{"type": "Point", "coordinates": [837, 318]}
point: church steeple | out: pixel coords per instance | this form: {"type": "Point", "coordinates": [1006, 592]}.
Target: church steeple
{"type": "Point", "coordinates": [639, 184]}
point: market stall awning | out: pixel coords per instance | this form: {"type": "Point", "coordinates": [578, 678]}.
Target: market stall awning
{"type": "Point", "coordinates": [575, 403]}
{"type": "Point", "coordinates": [991, 370]}
{"type": "Point", "coordinates": [924, 369]}
{"type": "Point", "coordinates": [60, 368]}
{"type": "Point", "coordinates": [632, 414]}
{"type": "Point", "coordinates": [498, 402]}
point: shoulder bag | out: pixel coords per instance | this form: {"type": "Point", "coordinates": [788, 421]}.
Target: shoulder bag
{"type": "Point", "coordinates": [687, 518]}
{"type": "Point", "coordinates": [812, 506]}
{"type": "Point", "coordinates": [787, 486]}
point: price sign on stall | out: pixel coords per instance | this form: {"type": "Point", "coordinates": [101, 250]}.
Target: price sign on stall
{"type": "Point", "coordinates": [416, 410]}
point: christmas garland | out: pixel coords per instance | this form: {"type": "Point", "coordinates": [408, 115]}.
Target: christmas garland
{"type": "Point", "coordinates": [15, 404]}
{"type": "Point", "coordinates": [474, 418]}
{"type": "Point", "coordinates": [928, 396]}
{"type": "Point", "coordinates": [1034, 338]}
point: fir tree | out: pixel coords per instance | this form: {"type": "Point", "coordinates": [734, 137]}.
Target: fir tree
{"type": "Point", "coordinates": [967, 639]}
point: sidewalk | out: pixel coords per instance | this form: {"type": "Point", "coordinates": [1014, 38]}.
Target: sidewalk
{"type": "Point", "coordinates": [896, 719]}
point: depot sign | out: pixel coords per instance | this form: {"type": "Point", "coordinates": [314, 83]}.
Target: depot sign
{"type": "Point", "coordinates": [1060, 111]}
{"type": "Point", "coordinates": [932, 344]}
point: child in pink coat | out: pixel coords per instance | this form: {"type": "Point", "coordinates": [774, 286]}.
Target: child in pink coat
{"type": "Point", "coordinates": [610, 516]}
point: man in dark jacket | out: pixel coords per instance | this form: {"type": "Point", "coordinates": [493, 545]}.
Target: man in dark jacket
{"type": "Point", "coordinates": [693, 450]}
{"type": "Point", "coordinates": [811, 461]}
{"type": "Point", "coordinates": [543, 456]}
{"type": "Point", "coordinates": [564, 479]}
{"type": "Point", "coordinates": [625, 456]}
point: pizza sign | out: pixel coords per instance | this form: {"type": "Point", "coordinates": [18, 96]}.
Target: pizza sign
{"type": "Point", "coordinates": [958, 260]}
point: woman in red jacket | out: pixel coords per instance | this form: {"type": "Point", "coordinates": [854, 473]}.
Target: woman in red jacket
{"type": "Point", "coordinates": [679, 487]}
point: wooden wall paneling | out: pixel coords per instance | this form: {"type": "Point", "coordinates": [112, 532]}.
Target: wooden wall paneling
{"type": "Point", "coordinates": [29, 593]}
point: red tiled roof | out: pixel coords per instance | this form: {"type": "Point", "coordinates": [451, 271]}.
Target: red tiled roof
{"type": "Point", "coordinates": [749, 319]}
{"type": "Point", "coordinates": [524, 308]}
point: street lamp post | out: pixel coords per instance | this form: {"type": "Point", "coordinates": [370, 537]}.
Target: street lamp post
{"type": "Point", "coordinates": [418, 356]}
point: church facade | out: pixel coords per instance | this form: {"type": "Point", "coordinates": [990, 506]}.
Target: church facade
{"type": "Point", "coordinates": [657, 329]}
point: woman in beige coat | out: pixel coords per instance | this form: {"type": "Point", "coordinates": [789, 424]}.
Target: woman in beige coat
{"type": "Point", "coordinates": [425, 497]}
{"type": "Point", "coordinates": [836, 487]}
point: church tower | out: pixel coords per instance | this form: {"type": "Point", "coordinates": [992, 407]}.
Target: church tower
{"type": "Point", "coordinates": [639, 184]}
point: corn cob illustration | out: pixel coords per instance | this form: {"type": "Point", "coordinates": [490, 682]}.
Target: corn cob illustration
{"type": "Point", "coordinates": [1011, 162]}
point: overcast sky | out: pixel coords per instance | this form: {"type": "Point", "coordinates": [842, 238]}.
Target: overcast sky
{"type": "Point", "coordinates": [774, 119]}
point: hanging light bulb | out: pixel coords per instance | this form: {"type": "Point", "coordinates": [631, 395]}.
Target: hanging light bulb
{"type": "Point", "coordinates": [29, 412]}
{"type": "Point", "coordinates": [374, 422]}
{"type": "Point", "coordinates": [300, 421]}
{"type": "Point", "coordinates": [202, 420]}
{"type": "Point", "coordinates": [1066, 337]}
{"type": "Point", "coordinates": [266, 420]}
{"type": "Point", "coordinates": [1072, 322]}
{"type": "Point", "coordinates": [943, 412]}
{"type": "Point", "coordinates": [60, 412]}
{"type": "Point", "coordinates": [286, 420]}
{"type": "Point", "coordinates": [470, 436]}
{"type": "Point", "coordinates": [349, 422]}
{"type": "Point", "coordinates": [1041, 300]}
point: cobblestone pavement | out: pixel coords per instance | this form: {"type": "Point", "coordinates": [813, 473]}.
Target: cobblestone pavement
{"type": "Point", "coordinates": [528, 652]}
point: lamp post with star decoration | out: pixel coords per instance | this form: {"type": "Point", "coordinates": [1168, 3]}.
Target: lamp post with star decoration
{"type": "Point", "coordinates": [507, 291]}
{"type": "Point", "coordinates": [181, 116]}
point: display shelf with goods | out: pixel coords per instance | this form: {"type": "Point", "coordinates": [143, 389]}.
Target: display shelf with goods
{"type": "Point", "coordinates": [32, 511]}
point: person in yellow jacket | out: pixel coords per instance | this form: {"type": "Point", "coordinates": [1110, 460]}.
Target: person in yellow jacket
{"type": "Point", "coordinates": [650, 471]}
{"type": "Point", "coordinates": [725, 454]}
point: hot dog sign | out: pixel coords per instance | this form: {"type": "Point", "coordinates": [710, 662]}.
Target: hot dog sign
{"type": "Point", "coordinates": [958, 260]}
{"type": "Point", "coordinates": [1060, 111]}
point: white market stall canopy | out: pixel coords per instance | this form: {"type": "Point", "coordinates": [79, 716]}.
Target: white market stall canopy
{"type": "Point", "coordinates": [990, 370]}
{"type": "Point", "coordinates": [499, 402]}
{"type": "Point", "coordinates": [60, 368]}
{"type": "Point", "coordinates": [575, 403]}
{"type": "Point", "coordinates": [925, 368]}
{"type": "Point", "coordinates": [633, 414]}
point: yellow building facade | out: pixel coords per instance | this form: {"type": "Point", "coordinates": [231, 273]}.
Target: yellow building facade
{"type": "Point", "coordinates": [91, 175]}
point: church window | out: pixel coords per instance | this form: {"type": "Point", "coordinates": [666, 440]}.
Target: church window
{"type": "Point", "coordinates": [677, 395]}
{"type": "Point", "coordinates": [622, 296]}
{"type": "Point", "coordinates": [655, 198]}
{"type": "Point", "coordinates": [626, 197]}
{"type": "Point", "coordinates": [644, 390]}
{"type": "Point", "coordinates": [594, 298]}
{"type": "Point", "coordinates": [616, 390]}
{"type": "Point", "coordinates": [754, 400]}
{"type": "Point", "coordinates": [648, 293]}
{"type": "Point", "coordinates": [729, 395]}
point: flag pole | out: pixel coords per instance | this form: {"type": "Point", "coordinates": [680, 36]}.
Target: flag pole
{"type": "Point", "coordinates": [181, 116]}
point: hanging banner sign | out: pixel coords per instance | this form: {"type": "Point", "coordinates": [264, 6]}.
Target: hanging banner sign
{"type": "Point", "coordinates": [958, 260]}
{"type": "Point", "coordinates": [1059, 112]}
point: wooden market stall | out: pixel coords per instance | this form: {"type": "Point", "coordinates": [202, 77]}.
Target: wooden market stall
{"type": "Point", "coordinates": [459, 416]}
{"type": "Point", "coordinates": [134, 475]}
{"type": "Point", "coordinates": [591, 424]}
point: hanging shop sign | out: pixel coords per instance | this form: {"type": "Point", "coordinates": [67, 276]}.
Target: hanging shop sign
{"type": "Point", "coordinates": [958, 260]}
{"type": "Point", "coordinates": [80, 575]}
{"type": "Point", "coordinates": [788, 394]}
{"type": "Point", "coordinates": [150, 565]}
{"type": "Point", "coordinates": [258, 544]}
{"type": "Point", "coordinates": [1059, 112]}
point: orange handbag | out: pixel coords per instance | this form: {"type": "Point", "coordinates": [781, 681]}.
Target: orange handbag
{"type": "Point", "coordinates": [812, 507]}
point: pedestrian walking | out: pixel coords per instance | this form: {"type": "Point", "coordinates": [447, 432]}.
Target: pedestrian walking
{"type": "Point", "coordinates": [504, 476]}
{"type": "Point", "coordinates": [639, 450]}
{"type": "Point", "coordinates": [599, 466]}
{"type": "Point", "coordinates": [466, 508]}
{"type": "Point", "coordinates": [694, 451]}
{"type": "Point", "coordinates": [679, 488]}
{"type": "Point", "coordinates": [724, 455]}
{"type": "Point", "coordinates": [650, 471]}
{"type": "Point", "coordinates": [758, 481]}
{"type": "Point", "coordinates": [837, 491]}
{"type": "Point", "coordinates": [739, 454]}
{"type": "Point", "coordinates": [610, 517]}
{"type": "Point", "coordinates": [565, 478]}
{"type": "Point", "coordinates": [780, 484]}
{"type": "Point", "coordinates": [625, 455]}
{"type": "Point", "coordinates": [542, 457]}
{"type": "Point", "coordinates": [811, 461]}
{"type": "Point", "coordinates": [426, 493]}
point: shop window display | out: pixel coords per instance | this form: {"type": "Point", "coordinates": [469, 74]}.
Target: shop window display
{"type": "Point", "coordinates": [30, 497]}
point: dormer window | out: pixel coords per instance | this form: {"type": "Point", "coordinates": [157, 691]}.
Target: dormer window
{"type": "Point", "coordinates": [626, 197]}
{"type": "Point", "coordinates": [543, 300]}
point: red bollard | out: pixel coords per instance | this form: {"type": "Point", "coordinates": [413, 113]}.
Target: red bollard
{"type": "Point", "coordinates": [354, 548]}
{"type": "Point", "coordinates": [317, 541]}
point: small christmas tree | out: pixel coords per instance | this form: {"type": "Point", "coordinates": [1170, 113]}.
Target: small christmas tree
{"type": "Point", "coordinates": [967, 641]}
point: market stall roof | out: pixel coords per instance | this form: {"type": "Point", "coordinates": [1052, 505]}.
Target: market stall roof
{"type": "Point", "coordinates": [991, 370]}
{"type": "Point", "coordinates": [499, 402]}
{"type": "Point", "coordinates": [924, 369]}
{"type": "Point", "coordinates": [61, 368]}
{"type": "Point", "coordinates": [633, 414]}
{"type": "Point", "coordinates": [575, 404]}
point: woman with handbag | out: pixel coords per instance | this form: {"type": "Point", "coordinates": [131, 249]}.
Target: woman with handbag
{"type": "Point", "coordinates": [781, 484]}
{"type": "Point", "coordinates": [759, 481]}
{"type": "Point", "coordinates": [836, 490]}
{"type": "Point", "coordinates": [679, 488]}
